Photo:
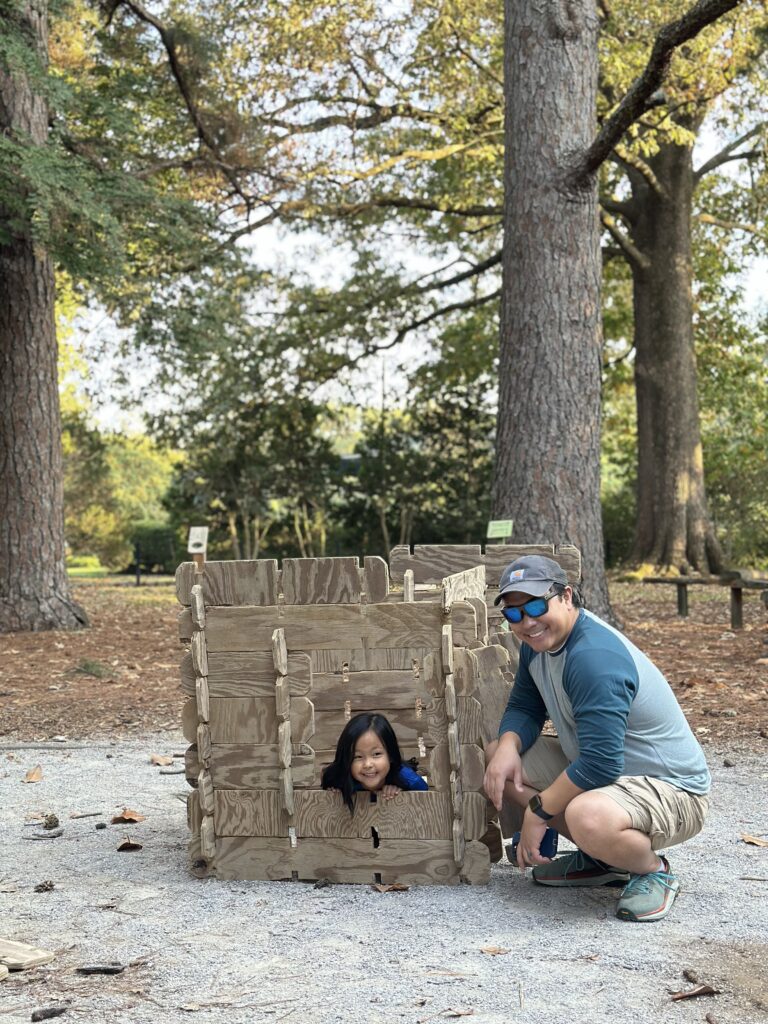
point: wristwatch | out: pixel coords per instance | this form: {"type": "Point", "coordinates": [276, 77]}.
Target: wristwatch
{"type": "Point", "coordinates": [535, 805]}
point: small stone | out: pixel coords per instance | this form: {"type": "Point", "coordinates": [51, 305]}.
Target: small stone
{"type": "Point", "coordinates": [50, 821]}
{"type": "Point", "coordinates": [727, 763]}
{"type": "Point", "coordinates": [729, 713]}
{"type": "Point", "coordinates": [46, 886]}
{"type": "Point", "coordinates": [101, 824]}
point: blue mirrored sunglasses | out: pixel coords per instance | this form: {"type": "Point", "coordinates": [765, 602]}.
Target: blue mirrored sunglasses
{"type": "Point", "coordinates": [536, 607]}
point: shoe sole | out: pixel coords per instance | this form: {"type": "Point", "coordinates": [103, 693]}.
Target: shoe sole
{"type": "Point", "coordinates": [615, 880]}
{"type": "Point", "coordinates": [655, 915]}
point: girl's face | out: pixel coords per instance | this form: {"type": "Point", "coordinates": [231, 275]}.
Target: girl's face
{"type": "Point", "coordinates": [370, 762]}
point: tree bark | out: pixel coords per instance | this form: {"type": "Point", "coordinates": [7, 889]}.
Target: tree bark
{"type": "Point", "coordinates": [673, 528]}
{"type": "Point", "coordinates": [548, 443]}
{"type": "Point", "coordinates": [34, 589]}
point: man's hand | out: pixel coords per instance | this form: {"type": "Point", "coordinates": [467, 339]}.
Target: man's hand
{"type": "Point", "coordinates": [505, 766]}
{"type": "Point", "coordinates": [531, 835]}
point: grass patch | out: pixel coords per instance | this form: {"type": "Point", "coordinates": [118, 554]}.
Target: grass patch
{"type": "Point", "coordinates": [91, 667]}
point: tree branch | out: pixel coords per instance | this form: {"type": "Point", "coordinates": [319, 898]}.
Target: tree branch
{"type": "Point", "coordinates": [630, 250]}
{"type": "Point", "coordinates": [727, 153]}
{"type": "Point", "coordinates": [635, 101]}
{"type": "Point", "coordinates": [731, 225]}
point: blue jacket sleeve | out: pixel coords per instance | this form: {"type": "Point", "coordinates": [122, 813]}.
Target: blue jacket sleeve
{"type": "Point", "coordinates": [525, 713]}
{"type": "Point", "coordinates": [601, 685]}
{"type": "Point", "coordinates": [407, 778]}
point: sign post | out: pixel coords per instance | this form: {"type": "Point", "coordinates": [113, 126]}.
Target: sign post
{"type": "Point", "coordinates": [197, 545]}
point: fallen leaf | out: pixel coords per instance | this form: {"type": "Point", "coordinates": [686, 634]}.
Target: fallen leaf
{"type": "Point", "coordinates": [694, 993]}
{"type": "Point", "coordinates": [394, 887]}
{"type": "Point", "coordinates": [493, 950]}
{"type": "Point", "coordinates": [34, 774]}
{"type": "Point", "coordinates": [754, 840]}
{"type": "Point", "coordinates": [161, 759]}
{"type": "Point", "coordinates": [127, 816]}
{"type": "Point", "coordinates": [128, 844]}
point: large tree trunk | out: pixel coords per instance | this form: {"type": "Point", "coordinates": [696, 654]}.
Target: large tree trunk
{"type": "Point", "coordinates": [34, 590]}
{"type": "Point", "coordinates": [673, 527]}
{"type": "Point", "coordinates": [548, 440]}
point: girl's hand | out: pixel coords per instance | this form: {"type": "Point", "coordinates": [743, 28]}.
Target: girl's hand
{"type": "Point", "coordinates": [390, 791]}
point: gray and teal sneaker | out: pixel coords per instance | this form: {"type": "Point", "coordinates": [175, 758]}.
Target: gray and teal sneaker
{"type": "Point", "coordinates": [578, 869]}
{"type": "Point", "coordinates": [648, 897]}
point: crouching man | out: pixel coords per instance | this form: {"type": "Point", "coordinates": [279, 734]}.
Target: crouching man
{"type": "Point", "coordinates": [624, 779]}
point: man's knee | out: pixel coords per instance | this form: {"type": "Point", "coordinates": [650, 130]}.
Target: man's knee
{"type": "Point", "coordinates": [594, 815]}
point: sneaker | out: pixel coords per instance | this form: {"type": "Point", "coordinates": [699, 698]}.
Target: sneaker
{"type": "Point", "coordinates": [578, 869]}
{"type": "Point", "coordinates": [648, 897]}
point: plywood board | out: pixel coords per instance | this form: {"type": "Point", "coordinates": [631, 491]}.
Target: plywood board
{"type": "Point", "coordinates": [432, 562]}
{"type": "Point", "coordinates": [498, 557]}
{"type": "Point", "coordinates": [18, 956]}
{"type": "Point", "coordinates": [245, 766]}
{"type": "Point", "coordinates": [375, 579]}
{"type": "Point", "coordinates": [369, 660]}
{"type": "Point", "coordinates": [319, 813]}
{"type": "Point", "coordinates": [493, 688]}
{"type": "Point", "coordinates": [410, 862]}
{"type": "Point", "coordinates": [254, 720]}
{"type": "Point", "coordinates": [367, 690]}
{"type": "Point", "coordinates": [462, 586]}
{"type": "Point", "coordinates": [231, 582]}
{"type": "Point", "coordinates": [463, 620]}
{"type": "Point", "coordinates": [321, 581]}
{"type": "Point", "coordinates": [408, 724]}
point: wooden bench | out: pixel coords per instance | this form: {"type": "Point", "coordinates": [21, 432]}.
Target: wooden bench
{"type": "Point", "coordinates": [737, 582]}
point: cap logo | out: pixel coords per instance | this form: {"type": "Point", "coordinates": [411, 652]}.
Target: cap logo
{"type": "Point", "coordinates": [517, 574]}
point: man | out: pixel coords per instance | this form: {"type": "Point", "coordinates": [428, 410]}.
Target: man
{"type": "Point", "coordinates": [625, 776]}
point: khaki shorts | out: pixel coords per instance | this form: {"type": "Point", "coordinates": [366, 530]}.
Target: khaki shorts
{"type": "Point", "coordinates": [662, 811]}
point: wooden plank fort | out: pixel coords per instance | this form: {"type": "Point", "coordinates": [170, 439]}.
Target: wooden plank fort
{"type": "Point", "coordinates": [278, 660]}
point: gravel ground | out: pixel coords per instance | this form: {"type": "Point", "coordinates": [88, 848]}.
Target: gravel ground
{"type": "Point", "coordinates": [213, 952]}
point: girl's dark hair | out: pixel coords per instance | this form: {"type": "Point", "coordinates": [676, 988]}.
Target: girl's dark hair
{"type": "Point", "coordinates": [338, 774]}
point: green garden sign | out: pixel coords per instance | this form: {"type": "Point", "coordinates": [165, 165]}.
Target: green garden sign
{"type": "Point", "coordinates": [499, 529]}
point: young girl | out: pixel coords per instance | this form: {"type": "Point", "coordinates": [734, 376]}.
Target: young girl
{"type": "Point", "coordinates": [368, 757]}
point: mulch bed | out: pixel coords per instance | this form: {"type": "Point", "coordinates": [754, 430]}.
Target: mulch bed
{"type": "Point", "coordinates": [121, 677]}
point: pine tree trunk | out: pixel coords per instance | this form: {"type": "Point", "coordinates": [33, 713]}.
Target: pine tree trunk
{"type": "Point", "coordinates": [674, 528]}
{"type": "Point", "coordinates": [34, 590]}
{"type": "Point", "coordinates": [548, 442]}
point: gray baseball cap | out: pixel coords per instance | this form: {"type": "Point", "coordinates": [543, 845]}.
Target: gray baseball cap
{"type": "Point", "coordinates": [532, 574]}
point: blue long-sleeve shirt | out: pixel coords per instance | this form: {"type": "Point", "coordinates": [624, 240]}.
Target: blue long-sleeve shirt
{"type": "Point", "coordinates": [614, 712]}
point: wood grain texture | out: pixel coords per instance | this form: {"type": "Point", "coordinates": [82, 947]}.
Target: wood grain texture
{"type": "Point", "coordinates": [410, 862]}
{"type": "Point", "coordinates": [254, 720]}
{"type": "Point", "coordinates": [207, 838]}
{"type": "Point", "coordinates": [375, 579]}
{"type": "Point", "coordinates": [461, 586]}
{"type": "Point", "coordinates": [407, 722]}
{"type": "Point", "coordinates": [322, 814]}
{"type": "Point", "coordinates": [231, 582]}
{"type": "Point", "coordinates": [199, 654]}
{"type": "Point", "coordinates": [308, 581]}
{"type": "Point", "coordinates": [202, 698]}
{"type": "Point", "coordinates": [463, 620]}
{"type": "Point", "coordinates": [493, 688]}
{"type": "Point", "coordinates": [430, 563]}
{"type": "Point", "coordinates": [318, 627]}
{"type": "Point", "coordinates": [252, 767]}
{"type": "Point", "coordinates": [368, 691]}
{"type": "Point", "coordinates": [248, 674]}
{"type": "Point", "coordinates": [197, 606]}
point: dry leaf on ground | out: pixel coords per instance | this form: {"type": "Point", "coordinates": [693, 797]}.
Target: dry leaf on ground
{"type": "Point", "coordinates": [34, 774]}
{"type": "Point", "coordinates": [127, 817]}
{"type": "Point", "coordinates": [493, 950]}
{"type": "Point", "coordinates": [394, 887]}
{"type": "Point", "coordinates": [754, 840]}
{"type": "Point", "coordinates": [693, 993]}
{"type": "Point", "coordinates": [161, 759]}
{"type": "Point", "coordinates": [129, 844]}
